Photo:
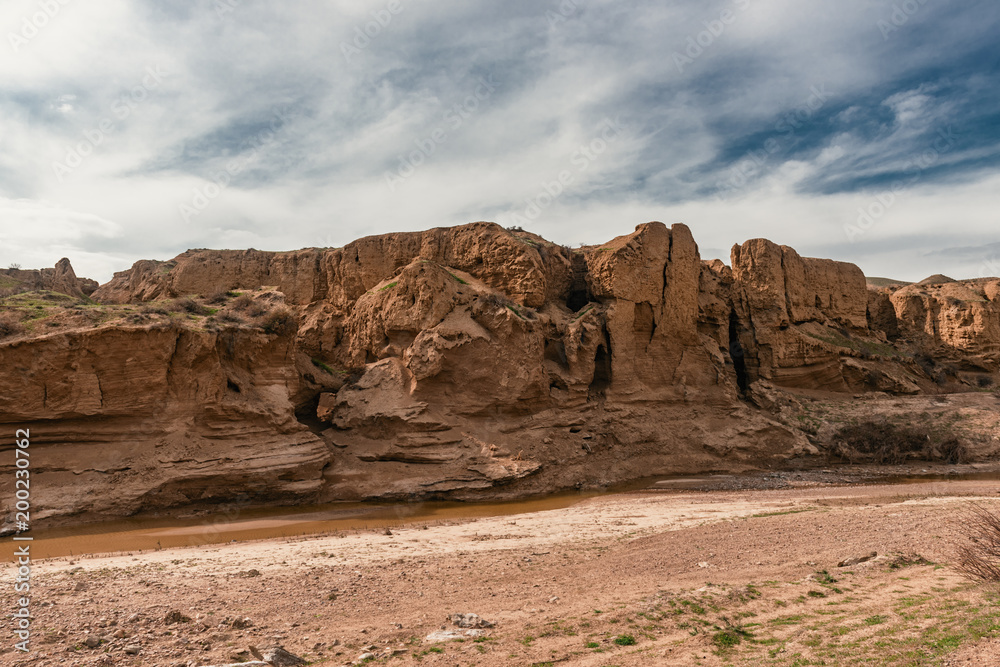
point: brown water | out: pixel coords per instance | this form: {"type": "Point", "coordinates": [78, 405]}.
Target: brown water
{"type": "Point", "coordinates": [234, 523]}
{"type": "Point", "coordinates": [237, 524]}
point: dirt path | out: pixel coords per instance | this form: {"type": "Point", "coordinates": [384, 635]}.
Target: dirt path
{"type": "Point", "coordinates": [722, 578]}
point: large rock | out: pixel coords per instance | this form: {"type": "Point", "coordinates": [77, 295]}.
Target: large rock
{"type": "Point", "coordinates": [141, 418]}
{"type": "Point", "coordinates": [778, 295]}
{"type": "Point", "coordinates": [952, 318]}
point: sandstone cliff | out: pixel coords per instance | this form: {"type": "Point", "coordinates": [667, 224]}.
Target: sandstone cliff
{"type": "Point", "coordinates": [464, 362]}
{"type": "Point", "coordinates": [60, 279]}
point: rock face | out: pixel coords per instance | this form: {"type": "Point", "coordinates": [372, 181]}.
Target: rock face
{"type": "Point", "coordinates": [60, 279]}
{"type": "Point", "coordinates": [123, 420]}
{"type": "Point", "coordinates": [466, 362]}
{"type": "Point", "coordinates": [955, 320]}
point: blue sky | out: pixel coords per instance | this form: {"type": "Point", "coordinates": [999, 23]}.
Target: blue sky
{"type": "Point", "coordinates": [863, 130]}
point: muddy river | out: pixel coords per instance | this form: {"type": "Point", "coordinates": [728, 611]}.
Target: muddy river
{"type": "Point", "coordinates": [235, 523]}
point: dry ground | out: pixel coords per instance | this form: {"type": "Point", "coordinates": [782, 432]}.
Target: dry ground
{"type": "Point", "coordinates": [721, 578]}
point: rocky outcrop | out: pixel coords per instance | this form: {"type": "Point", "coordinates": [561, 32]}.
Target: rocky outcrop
{"type": "Point", "coordinates": [787, 305]}
{"type": "Point", "coordinates": [465, 362]}
{"type": "Point", "coordinates": [123, 420]}
{"type": "Point", "coordinates": [343, 275]}
{"type": "Point", "coordinates": [954, 320]}
{"type": "Point", "coordinates": [60, 279]}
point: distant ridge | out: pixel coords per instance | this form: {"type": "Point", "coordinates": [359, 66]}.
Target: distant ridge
{"type": "Point", "coordinates": [936, 279]}
{"type": "Point", "coordinates": [886, 282]}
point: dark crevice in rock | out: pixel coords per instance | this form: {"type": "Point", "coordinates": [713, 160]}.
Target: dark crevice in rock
{"type": "Point", "coordinates": [579, 294]}
{"type": "Point", "coordinates": [305, 414]}
{"type": "Point", "coordinates": [736, 352]}
{"type": "Point", "coordinates": [602, 370]}
{"type": "Point", "coordinates": [555, 350]}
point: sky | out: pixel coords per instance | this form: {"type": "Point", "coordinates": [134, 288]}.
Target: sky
{"type": "Point", "coordinates": [861, 130]}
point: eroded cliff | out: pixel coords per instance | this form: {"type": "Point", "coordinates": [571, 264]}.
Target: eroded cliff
{"type": "Point", "coordinates": [465, 362]}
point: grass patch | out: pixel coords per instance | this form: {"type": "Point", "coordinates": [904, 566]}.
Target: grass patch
{"type": "Point", "coordinates": [323, 367]}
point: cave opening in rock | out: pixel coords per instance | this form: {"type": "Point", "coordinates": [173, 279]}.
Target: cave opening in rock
{"type": "Point", "coordinates": [577, 299]}
{"type": "Point", "coordinates": [736, 352]}
{"type": "Point", "coordinates": [305, 414]}
{"type": "Point", "coordinates": [602, 371]}
{"type": "Point", "coordinates": [232, 386]}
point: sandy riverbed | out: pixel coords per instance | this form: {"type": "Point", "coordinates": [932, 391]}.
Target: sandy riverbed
{"type": "Point", "coordinates": [695, 579]}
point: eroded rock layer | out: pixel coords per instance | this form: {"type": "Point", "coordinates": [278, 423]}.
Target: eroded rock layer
{"type": "Point", "coordinates": [465, 362]}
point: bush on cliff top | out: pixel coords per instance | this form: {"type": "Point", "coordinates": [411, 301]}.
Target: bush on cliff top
{"type": "Point", "coordinates": [279, 321]}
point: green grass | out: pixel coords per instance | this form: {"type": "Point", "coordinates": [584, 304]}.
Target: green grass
{"type": "Point", "coordinates": [867, 348]}
{"type": "Point", "coordinates": [625, 640]}
{"type": "Point", "coordinates": [319, 364]}
{"type": "Point", "coordinates": [516, 312]}
{"type": "Point", "coordinates": [389, 286]}
{"type": "Point", "coordinates": [726, 639]}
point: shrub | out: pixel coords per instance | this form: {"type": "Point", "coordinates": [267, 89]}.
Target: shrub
{"type": "Point", "coordinates": [279, 321]}
{"type": "Point", "coordinates": [625, 640]}
{"type": "Point", "coordinates": [242, 302]}
{"type": "Point", "coordinates": [979, 558]}
{"type": "Point", "coordinates": [10, 325]}
{"type": "Point", "coordinates": [878, 442]}
{"type": "Point", "coordinates": [219, 298]}
{"type": "Point", "coordinates": [188, 305]}
{"type": "Point", "coordinates": [883, 443]}
{"type": "Point", "coordinates": [153, 310]}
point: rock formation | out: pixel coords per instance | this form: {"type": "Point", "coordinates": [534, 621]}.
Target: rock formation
{"type": "Point", "coordinates": [60, 279]}
{"type": "Point", "coordinates": [466, 362]}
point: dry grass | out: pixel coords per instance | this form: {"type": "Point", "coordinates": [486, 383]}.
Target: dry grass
{"type": "Point", "coordinates": [979, 559]}
{"type": "Point", "coordinates": [10, 325]}
{"type": "Point", "coordinates": [884, 443]}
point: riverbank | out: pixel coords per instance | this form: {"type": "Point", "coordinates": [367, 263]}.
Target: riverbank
{"type": "Point", "coordinates": [704, 578]}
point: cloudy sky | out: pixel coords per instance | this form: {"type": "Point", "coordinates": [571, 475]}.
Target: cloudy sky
{"type": "Point", "coordinates": [863, 130]}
